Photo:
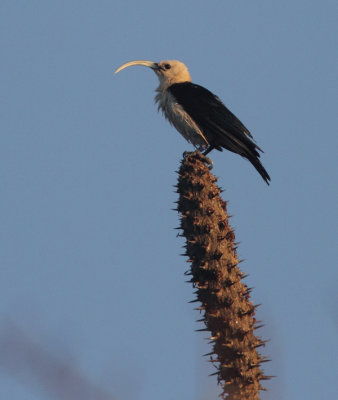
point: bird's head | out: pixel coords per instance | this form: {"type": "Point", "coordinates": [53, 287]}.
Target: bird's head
{"type": "Point", "coordinates": [167, 71]}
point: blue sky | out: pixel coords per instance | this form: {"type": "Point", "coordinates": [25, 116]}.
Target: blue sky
{"type": "Point", "coordinates": [90, 265]}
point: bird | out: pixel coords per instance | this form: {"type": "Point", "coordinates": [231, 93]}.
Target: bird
{"type": "Point", "coordinates": [198, 114]}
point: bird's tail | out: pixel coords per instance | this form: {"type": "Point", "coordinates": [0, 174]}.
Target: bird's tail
{"type": "Point", "coordinates": [261, 170]}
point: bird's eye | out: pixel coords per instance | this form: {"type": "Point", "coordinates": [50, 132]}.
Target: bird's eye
{"type": "Point", "coordinates": [167, 66]}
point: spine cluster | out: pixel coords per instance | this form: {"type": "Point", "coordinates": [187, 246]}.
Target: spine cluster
{"type": "Point", "coordinates": [228, 313]}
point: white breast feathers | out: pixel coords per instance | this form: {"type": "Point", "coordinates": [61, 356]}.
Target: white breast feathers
{"type": "Point", "coordinates": [180, 119]}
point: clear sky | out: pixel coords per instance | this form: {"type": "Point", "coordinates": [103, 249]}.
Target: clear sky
{"type": "Point", "coordinates": [90, 265]}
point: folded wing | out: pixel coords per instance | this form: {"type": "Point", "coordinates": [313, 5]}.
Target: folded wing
{"type": "Point", "coordinates": [219, 125]}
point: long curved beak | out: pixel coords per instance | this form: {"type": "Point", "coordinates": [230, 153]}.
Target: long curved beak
{"type": "Point", "coordinates": [146, 63]}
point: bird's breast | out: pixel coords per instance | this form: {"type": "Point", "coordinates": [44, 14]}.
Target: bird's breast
{"type": "Point", "coordinates": [180, 119]}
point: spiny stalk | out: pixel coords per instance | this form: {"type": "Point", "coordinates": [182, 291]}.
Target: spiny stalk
{"type": "Point", "coordinates": [227, 310]}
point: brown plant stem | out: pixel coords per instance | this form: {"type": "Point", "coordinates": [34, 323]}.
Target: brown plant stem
{"type": "Point", "coordinates": [227, 311]}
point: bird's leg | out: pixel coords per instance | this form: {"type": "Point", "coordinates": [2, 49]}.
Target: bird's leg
{"type": "Point", "coordinates": [207, 160]}
{"type": "Point", "coordinates": [204, 159]}
{"type": "Point", "coordinates": [208, 150]}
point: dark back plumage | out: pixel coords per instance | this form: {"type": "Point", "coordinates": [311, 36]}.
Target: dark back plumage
{"type": "Point", "coordinates": [220, 126]}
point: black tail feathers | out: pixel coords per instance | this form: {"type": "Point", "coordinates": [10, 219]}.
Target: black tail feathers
{"type": "Point", "coordinates": [261, 170]}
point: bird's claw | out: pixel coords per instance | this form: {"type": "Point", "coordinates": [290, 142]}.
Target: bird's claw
{"type": "Point", "coordinates": [202, 157]}
{"type": "Point", "coordinates": [186, 154]}
{"type": "Point", "coordinates": [208, 161]}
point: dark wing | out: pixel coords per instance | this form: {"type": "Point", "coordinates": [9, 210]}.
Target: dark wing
{"type": "Point", "coordinates": [219, 125]}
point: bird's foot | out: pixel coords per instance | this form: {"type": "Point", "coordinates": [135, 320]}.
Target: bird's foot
{"type": "Point", "coordinates": [186, 154]}
{"type": "Point", "coordinates": [201, 156]}
{"type": "Point", "coordinates": [209, 161]}
{"type": "Point", "coordinates": [206, 160]}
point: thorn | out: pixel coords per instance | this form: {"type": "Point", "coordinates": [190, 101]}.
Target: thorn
{"type": "Point", "coordinates": [259, 345]}
{"type": "Point", "coordinates": [231, 266]}
{"type": "Point", "coordinates": [202, 330]}
{"type": "Point", "coordinates": [211, 315]}
{"type": "Point", "coordinates": [194, 301]}
{"type": "Point", "coordinates": [203, 286]}
{"type": "Point", "coordinates": [213, 360]}
{"type": "Point", "coordinates": [212, 195]}
{"type": "Point", "coordinates": [242, 332]}
{"type": "Point", "coordinates": [267, 377]}
{"type": "Point", "coordinates": [209, 211]}
{"type": "Point", "coordinates": [227, 366]}
{"type": "Point", "coordinates": [211, 338]}
{"type": "Point", "coordinates": [217, 255]}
